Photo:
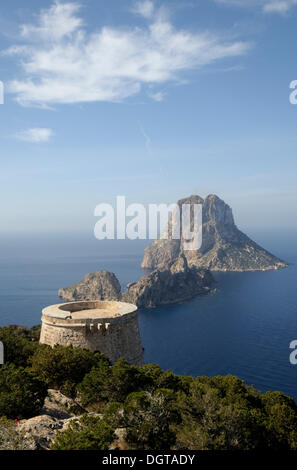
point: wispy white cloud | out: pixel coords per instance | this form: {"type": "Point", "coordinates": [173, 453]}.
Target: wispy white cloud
{"type": "Point", "coordinates": [158, 96]}
{"type": "Point", "coordinates": [147, 138]}
{"type": "Point", "coordinates": [58, 21]}
{"type": "Point", "coordinates": [145, 8]}
{"type": "Point", "coordinates": [63, 63]}
{"type": "Point", "coordinates": [35, 135]}
{"type": "Point", "coordinates": [268, 6]}
{"type": "Point", "coordinates": [279, 6]}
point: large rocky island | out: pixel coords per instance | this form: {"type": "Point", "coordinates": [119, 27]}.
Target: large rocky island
{"type": "Point", "coordinates": [224, 246]}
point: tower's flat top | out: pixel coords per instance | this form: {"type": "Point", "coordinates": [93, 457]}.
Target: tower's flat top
{"type": "Point", "coordinates": [94, 313]}
{"type": "Point", "coordinates": [83, 310]}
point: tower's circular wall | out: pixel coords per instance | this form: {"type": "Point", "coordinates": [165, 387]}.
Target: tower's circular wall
{"type": "Point", "coordinates": [107, 327]}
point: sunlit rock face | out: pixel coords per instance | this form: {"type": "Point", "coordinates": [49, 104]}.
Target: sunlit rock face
{"type": "Point", "coordinates": [224, 247]}
{"type": "Point", "coordinates": [169, 284]}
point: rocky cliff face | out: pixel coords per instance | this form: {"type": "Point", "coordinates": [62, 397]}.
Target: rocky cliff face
{"type": "Point", "coordinates": [224, 246]}
{"type": "Point", "coordinates": [175, 283]}
{"type": "Point", "coordinates": [101, 285]}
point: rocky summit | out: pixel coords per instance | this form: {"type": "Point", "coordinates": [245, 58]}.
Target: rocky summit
{"type": "Point", "coordinates": [224, 246]}
{"type": "Point", "coordinates": [101, 285]}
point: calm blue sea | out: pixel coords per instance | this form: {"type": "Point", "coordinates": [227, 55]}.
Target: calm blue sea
{"type": "Point", "coordinates": [244, 328]}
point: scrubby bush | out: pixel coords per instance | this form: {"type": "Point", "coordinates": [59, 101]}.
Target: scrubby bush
{"type": "Point", "coordinates": [64, 367]}
{"type": "Point", "coordinates": [34, 333]}
{"type": "Point", "coordinates": [158, 409]}
{"type": "Point", "coordinates": [202, 413]}
{"type": "Point", "coordinates": [22, 393]}
{"type": "Point", "coordinates": [280, 420]}
{"type": "Point", "coordinates": [89, 433]}
{"type": "Point", "coordinates": [224, 413]}
{"type": "Point", "coordinates": [147, 418]}
{"type": "Point", "coordinates": [19, 344]}
{"type": "Point", "coordinates": [107, 383]}
{"type": "Point", "coordinates": [212, 419]}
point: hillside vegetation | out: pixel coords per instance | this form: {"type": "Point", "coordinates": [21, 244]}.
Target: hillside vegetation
{"type": "Point", "coordinates": [155, 408]}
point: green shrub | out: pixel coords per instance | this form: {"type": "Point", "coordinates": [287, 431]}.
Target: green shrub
{"type": "Point", "coordinates": [224, 413]}
{"type": "Point", "coordinates": [22, 393]}
{"type": "Point", "coordinates": [114, 383]}
{"type": "Point", "coordinates": [34, 333]}
{"type": "Point", "coordinates": [159, 409]}
{"type": "Point", "coordinates": [64, 367]}
{"type": "Point", "coordinates": [89, 433]}
{"type": "Point", "coordinates": [105, 383]}
{"type": "Point", "coordinates": [147, 418]}
{"type": "Point", "coordinates": [280, 420]}
{"type": "Point", "coordinates": [19, 345]}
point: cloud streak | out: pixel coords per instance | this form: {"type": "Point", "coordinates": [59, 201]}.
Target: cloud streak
{"type": "Point", "coordinates": [279, 6]}
{"type": "Point", "coordinates": [35, 135]}
{"type": "Point", "coordinates": [144, 8]}
{"type": "Point", "coordinates": [268, 6]}
{"type": "Point", "coordinates": [62, 62]}
{"type": "Point", "coordinates": [147, 138]}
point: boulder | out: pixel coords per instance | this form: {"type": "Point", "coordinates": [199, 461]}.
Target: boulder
{"type": "Point", "coordinates": [59, 406]}
{"type": "Point", "coordinates": [41, 430]}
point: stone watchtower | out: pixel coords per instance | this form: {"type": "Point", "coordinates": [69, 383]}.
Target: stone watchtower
{"type": "Point", "coordinates": [107, 327]}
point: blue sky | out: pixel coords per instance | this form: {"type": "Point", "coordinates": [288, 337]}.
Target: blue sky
{"type": "Point", "coordinates": [151, 100]}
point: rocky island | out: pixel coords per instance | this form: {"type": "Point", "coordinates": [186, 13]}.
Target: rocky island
{"type": "Point", "coordinates": [176, 274]}
{"type": "Point", "coordinates": [224, 246]}
{"type": "Point", "coordinates": [166, 285]}
{"type": "Point", "coordinates": [101, 285]}
{"type": "Point", "coordinates": [170, 284]}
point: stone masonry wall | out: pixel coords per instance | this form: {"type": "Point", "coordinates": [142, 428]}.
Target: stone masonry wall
{"type": "Point", "coordinates": [115, 337]}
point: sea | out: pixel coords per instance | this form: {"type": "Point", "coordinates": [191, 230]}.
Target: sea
{"type": "Point", "coordinates": [244, 327]}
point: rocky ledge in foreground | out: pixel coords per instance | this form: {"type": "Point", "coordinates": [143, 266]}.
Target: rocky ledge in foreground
{"type": "Point", "coordinates": [166, 285]}
{"type": "Point", "coordinates": [57, 413]}
{"type": "Point", "coordinates": [224, 246]}
{"type": "Point", "coordinates": [101, 285]}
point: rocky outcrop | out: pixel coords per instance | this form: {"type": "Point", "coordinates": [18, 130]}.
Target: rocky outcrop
{"type": "Point", "coordinates": [41, 430]}
{"type": "Point", "coordinates": [224, 246]}
{"type": "Point", "coordinates": [59, 406]}
{"type": "Point", "coordinates": [57, 413]}
{"type": "Point", "coordinates": [168, 285]}
{"type": "Point", "coordinates": [101, 285]}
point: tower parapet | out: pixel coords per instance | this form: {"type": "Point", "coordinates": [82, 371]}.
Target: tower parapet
{"type": "Point", "coordinates": [107, 327]}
